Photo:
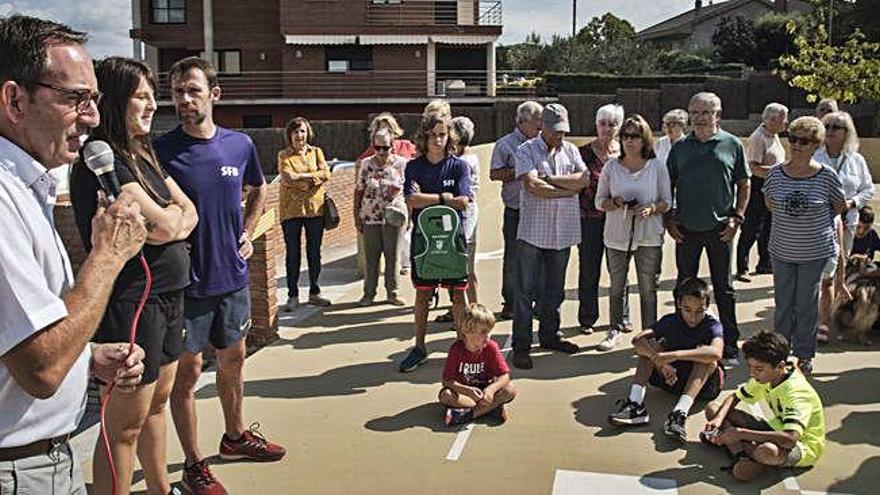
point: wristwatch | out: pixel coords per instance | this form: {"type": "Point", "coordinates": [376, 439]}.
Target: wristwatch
{"type": "Point", "coordinates": [440, 198]}
{"type": "Point", "coordinates": [739, 217]}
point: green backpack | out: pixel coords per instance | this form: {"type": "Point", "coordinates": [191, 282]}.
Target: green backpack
{"type": "Point", "coordinates": [439, 248]}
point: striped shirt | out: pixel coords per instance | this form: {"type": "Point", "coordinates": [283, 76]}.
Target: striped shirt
{"type": "Point", "coordinates": [504, 156]}
{"type": "Point", "coordinates": [803, 215]}
{"type": "Point", "coordinates": [548, 223]}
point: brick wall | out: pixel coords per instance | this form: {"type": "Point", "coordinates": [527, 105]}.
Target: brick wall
{"type": "Point", "coordinates": [269, 249]}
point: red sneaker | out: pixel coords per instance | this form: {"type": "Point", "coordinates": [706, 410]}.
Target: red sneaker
{"type": "Point", "coordinates": [199, 480]}
{"type": "Point", "coordinates": [252, 446]}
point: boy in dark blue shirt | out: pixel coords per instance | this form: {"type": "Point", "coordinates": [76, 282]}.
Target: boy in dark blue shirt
{"type": "Point", "coordinates": [680, 355]}
{"type": "Point", "coordinates": [866, 241]}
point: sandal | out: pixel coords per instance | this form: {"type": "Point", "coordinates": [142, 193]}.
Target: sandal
{"type": "Point", "coordinates": [823, 334]}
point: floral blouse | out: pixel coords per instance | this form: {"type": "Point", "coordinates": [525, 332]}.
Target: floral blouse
{"type": "Point", "coordinates": [380, 185]}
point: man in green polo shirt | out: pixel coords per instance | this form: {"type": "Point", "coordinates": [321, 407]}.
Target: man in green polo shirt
{"type": "Point", "coordinates": [710, 184]}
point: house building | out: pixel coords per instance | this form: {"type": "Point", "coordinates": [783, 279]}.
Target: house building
{"type": "Point", "coordinates": [274, 55]}
{"type": "Point", "coordinates": [694, 28]}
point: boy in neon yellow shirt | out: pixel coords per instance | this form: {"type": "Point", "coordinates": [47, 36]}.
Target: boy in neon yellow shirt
{"type": "Point", "coordinates": [793, 437]}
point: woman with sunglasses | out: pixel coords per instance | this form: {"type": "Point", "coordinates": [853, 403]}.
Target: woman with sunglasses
{"type": "Point", "coordinates": [380, 184]}
{"type": "Point", "coordinates": [135, 421]}
{"type": "Point", "coordinates": [804, 197]}
{"type": "Point", "coordinates": [303, 172]}
{"type": "Point", "coordinates": [634, 192]}
{"type": "Point", "coordinates": [841, 153]}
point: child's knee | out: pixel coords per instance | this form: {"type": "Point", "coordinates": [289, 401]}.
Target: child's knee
{"type": "Point", "coordinates": [507, 393]}
{"type": "Point", "coordinates": [769, 454]}
{"type": "Point", "coordinates": [712, 409]}
{"type": "Point", "coordinates": [446, 396]}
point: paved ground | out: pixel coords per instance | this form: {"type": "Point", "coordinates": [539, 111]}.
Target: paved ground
{"type": "Point", "coordinates": [330, 391]}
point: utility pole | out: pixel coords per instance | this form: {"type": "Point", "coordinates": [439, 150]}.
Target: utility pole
{"type": "Point", "coordinates": [831, 23]}
{"type": "Point", "coordinates": [574, 18]}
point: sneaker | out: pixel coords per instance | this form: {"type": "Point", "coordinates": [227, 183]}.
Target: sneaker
{"type": "Point", "coordinates": [506, 313]}
{"type": "Point", "coordinates": [458, 416]}
{"type": "Point", "coordinates": [198, 479]}
{"type": "Point", "coordinates": [730, 357]}
{"type": "Point", "coordinates": [746, 469]}
{"type": "Point", "coordinates": [416, 357]}
{"type": "Point", "coordinates": [674, 426]}
{"type": "Point", "coordinates": [806, 366]}
{"type": "Point", "coordinates": [292, 304]}
{"type": "Point", "coordinates": [627, 327]}
{"type": "Point", "coordinates": [764, 270]}
{"type": "Point", "coordinates": [317, 300]}
{"type": "Point", "coordinates": [742, 277]}
{"type": "Point", "coordinates": [175, 491]}
{"type": "Point", "coordinates": [560, 345]}
{"type": "Point", "coordinates": [252, 446]}
{"type": "Point", "coordinates": [395, 300]}
{"type": "Point", "coordinates": [445, 317]}
{"type": "Point", "coordinates": [629, 414]}
{"type": "Point", "coordinates": [610, 340]}
{"type": "Point", "coordinates": [587, 330]}
{"type": "Point", "coordinates": [522, 360]}
{"type": "Point", "coordinates": [365, 301]}
{"type": "Point", "coordinates": [499, 414]}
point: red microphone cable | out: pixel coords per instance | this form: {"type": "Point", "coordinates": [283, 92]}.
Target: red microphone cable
{"type": "Point", "coordinates": [148, 285]}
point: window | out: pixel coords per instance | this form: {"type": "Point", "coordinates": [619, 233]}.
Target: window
{"type": "Point", "coordinates": [345, 58]}
{"type": "Point", "coordinates": [226, 61]}
{"type": "Point", "coordinates": [257, 121]}
{"type": "Point", "coordinates": [168, 11]}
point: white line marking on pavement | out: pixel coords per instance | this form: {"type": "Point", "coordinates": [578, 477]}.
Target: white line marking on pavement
{"type": "Point", "coordinates": [585, 483]}
{"type": "Point", "coordinates": [463, 435]}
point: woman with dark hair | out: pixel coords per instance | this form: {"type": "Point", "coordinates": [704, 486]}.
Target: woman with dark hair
{"type": "Point", "coordinates": [303, 172]}
{"type": "Point", "coordinates": [634, 192]}
{"type": "Point", "coordinates": [137, 419]}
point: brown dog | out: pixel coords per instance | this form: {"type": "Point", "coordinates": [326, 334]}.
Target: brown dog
{"type": "Point", "coordinates": [854, 319]}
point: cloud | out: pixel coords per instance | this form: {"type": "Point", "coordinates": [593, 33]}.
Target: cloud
{"type": "Point", "coordinates": [106, 21]}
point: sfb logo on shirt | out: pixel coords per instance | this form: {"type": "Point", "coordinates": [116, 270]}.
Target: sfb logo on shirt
{"type": "Point", "coordinates": [228, 171]}
{"type": "Point", "coordinates": [448, 182]}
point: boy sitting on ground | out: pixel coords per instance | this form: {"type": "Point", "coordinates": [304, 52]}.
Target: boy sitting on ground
{"type": "Point", "coordinates": [793, 437]}
{"type": "Point", "coordinates": [680, 355]}
{"type": "Point", "coordinates": [476, 379]}
{"type": "Point", "coordinates": [866, 241]}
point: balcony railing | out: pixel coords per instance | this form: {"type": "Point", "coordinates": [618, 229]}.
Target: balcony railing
{"type": "Point", "coordinates": [434, 13]}
{"type": "Point", "coordinates": [369, 84]}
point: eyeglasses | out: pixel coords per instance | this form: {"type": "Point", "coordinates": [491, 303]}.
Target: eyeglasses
{"type": "Point", "coordinates": [381, 148]}
{"type": "Point", "coordinates": [627, 135]}
{"type": "Point", "coordinates": [702, 113]}
{"type": "Point", "coordinates": [834, 127]}
{"type": "Point", "coordinates": [81, 98]}
{"type": "Point", "coordinates": [803, 141]}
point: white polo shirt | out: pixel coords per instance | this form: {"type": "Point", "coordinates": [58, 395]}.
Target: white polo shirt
{"type": "Point", "coordinates": [35, 273]}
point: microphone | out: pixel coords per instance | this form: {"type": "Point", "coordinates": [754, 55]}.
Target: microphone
{"type": "Point", "coordinates": [99, 158]}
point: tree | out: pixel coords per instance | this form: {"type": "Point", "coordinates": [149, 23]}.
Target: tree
{"type": "Point", "coordinates": [756, 43]}
{"type": "Point", "coordinates": [734, 39]}
{"type": "Point", "coordinates": [848, 72]}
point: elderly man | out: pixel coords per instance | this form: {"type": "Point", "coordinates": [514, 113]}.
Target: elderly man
{"type": "Point", "coordinates": [710, 184]}
{"type": "Point", "coordinates": [551, 171]}
{"type": "Point", "coordinates": [825, 106]}
{"type": "Point", "coordinates": [763, 151]}
{"type": "Point", "coordinates": [48, 95]}
{"type": "Point", "coordinates": [503, 168]}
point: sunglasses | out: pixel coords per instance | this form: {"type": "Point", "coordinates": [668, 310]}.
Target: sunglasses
{"type": "Point", "coordinates": [834, 127]}
{"type": "Point", "coordinates": [381, 148]}
{"type": "Point", "coordinates": [803, 141]}
{"type": "Point", "coordinates": [628, 135]}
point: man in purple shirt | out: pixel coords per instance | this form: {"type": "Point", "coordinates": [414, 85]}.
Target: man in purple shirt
{"type": "Point", "coordinates": [214, 167]}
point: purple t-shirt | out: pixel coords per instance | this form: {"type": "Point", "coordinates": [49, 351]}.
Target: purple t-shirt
{"type": "Point", "coordinates": [679, 336]}
{"type": "Point", "coordinates": [212, 173]}
{"type": "Point", "coordinates": [449, 175]}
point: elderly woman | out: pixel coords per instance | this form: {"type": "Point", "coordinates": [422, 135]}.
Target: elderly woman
{"type": "Point", "coordinates": [763, 151]}
{"type": "Point", "coordinates": [379, 184]}
{"type": "Point", "coordinates": [464, 127]}
{"type": "Point", "coordinates": [303, 172]}
{"type": "Point", "coordinates": [804, 197]}
{"type": "Point", "coordinates": [841, 153]}
{"type": "Point", "coordinates": [595, 154]}
{"type": "Point", "coordinates": [825, 106]}
{"type": "Point", "coordinates": [402, 147]}
{"type": "Point", "coordinates": [634, 192]}
{"type": "Point", "coordinates": [674, 124]}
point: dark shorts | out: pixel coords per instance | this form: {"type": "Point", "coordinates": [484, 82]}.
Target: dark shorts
{"type": "Point", "coordinates": [221, 320]}
{"type": "Point", "coordinates": [745, 420]}
{"type": "Point", "coordinates": [446, 283]}
{"type": "Point", "coordinates": [710, 389]}
{"type": "Point", "coordinates": [159, 331]}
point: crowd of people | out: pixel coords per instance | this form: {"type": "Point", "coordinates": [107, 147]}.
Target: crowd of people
{"type": "Point", "coordinates": [168, 256]}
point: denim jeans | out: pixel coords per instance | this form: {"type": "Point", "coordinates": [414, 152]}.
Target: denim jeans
{"type": "Point", "coordinates": [756, 227]}
{"type": "Point", "coordinates": [590, 252]}
{"type": "Point", "coordinates": [509, 280]}
{"type": "Point", "coordinates": [796, 296]}
{"type": "Point", "coordinates": [687, 261]}
{"type": "Point", "coordinates": [542, 281]}
{"type": "Point", "coordinates": [293, 227]}
{"type": "Point", "coordinates": [648, 259]}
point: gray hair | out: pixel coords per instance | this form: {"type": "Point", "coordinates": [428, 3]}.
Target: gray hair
{"type": "Point", "coordinates": [529, 111]}
{"type": "Point", "coordinates": [676, 116]}
{"type": "Point", "coordinates": [708, 97]}
{"type": "Point", "coordinates": [773, 110]}
{"type": "Point", "coordinates": [611, 111]}
{"type": "Point", "coordinates": [383, 132]}
{"type": "Point", "coordinates": [464, 127]}
{"type": "Point", "coordinates": [829, 103]}
{"type": "Point", "coordinates": [851, 142]}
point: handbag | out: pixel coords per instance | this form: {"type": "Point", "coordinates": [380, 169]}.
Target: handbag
{"type": "Point", "coordinates": [396, 212]}
{"type": "Point", "coordinates": [331, 213]}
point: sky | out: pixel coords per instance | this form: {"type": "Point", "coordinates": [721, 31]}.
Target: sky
{"type": "Point", "coordinates": [108, 21]}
